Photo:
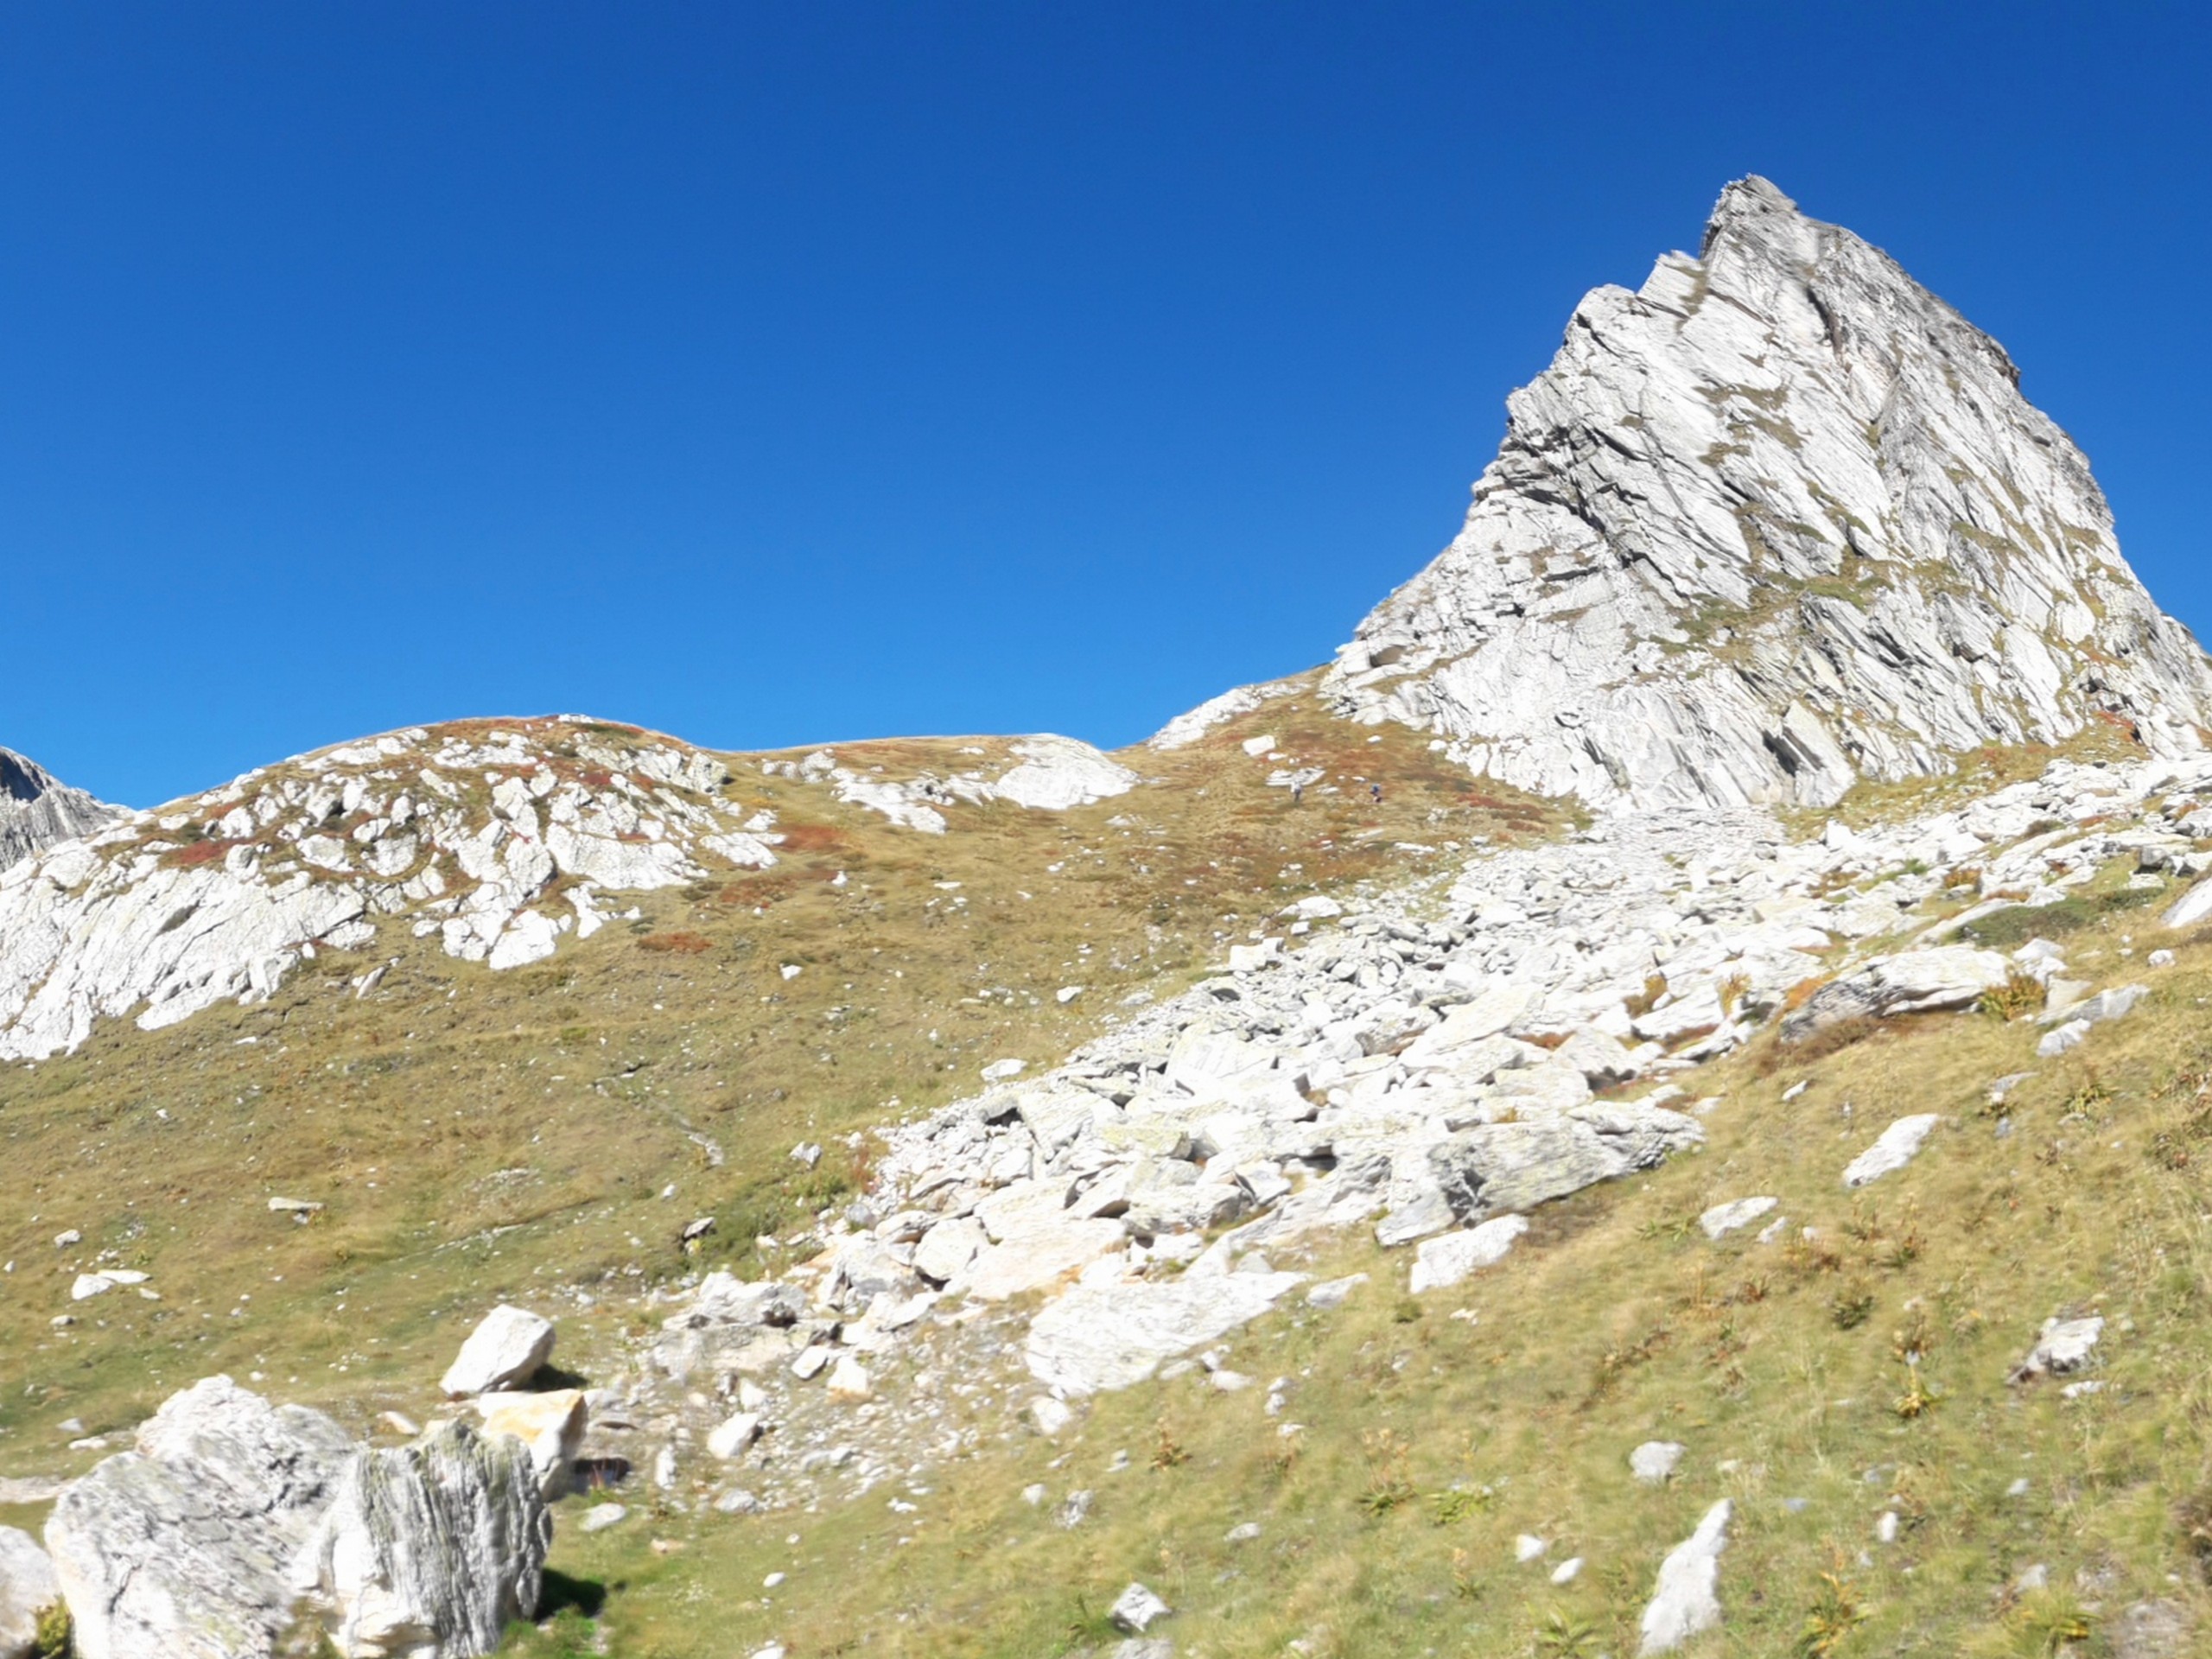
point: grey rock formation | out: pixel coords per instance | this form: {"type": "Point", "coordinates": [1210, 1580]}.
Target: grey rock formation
{"type": "Point", "coordinates": [177, 1549]}
{"type": "Point", "coordinates": [1919, 982]}
{"type": "Point", "coordinates": [26, 1588]}
{"type": "Point", "coordinates": [37, 808]}
{"type": "Point", "coordinates": [426, 1551]}
{"type": "Point", "coordinates": [1513, 1167]}
{"type": "Point", "coordinates": [1778, 519]}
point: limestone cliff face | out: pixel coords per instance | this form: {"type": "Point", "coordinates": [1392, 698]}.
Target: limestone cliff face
{"type": "Point", "coordinates": [37, 810]}
{"type": "Point", "coordinates": [1778, 520]}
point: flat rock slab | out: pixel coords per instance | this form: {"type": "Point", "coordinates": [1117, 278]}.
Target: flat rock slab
{"type": "Point", "coordinates": [1446, 1260]}
{"type": "Point", "coordinates": [1725, 1219]}
{"type": "Point", "coordinates": [1114, 1335]}
{"type": "Point", "coordinates": [1895, 1147]}
{"type": "Point", "coordinates": [1685, 1602]}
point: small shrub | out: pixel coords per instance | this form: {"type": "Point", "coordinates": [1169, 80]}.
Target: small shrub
{"type": "Point", "coordinates": [1835, 1612]}
{"type": "Point", "coordinates": [1449, 1509]}
{"type": "Point", "coordinates": [679, 944]}
{"type": "Point", "coordinates": [54, 1633]}
{"type": "Point", "coordinates": [1384, 1492]}
{"type": "Point", "coordinates": [2020, 994]}
{"type": "Point", "coordinates": [1851, 1307]}
{"type": "Point", "coordinates": [1562, 1638]}
{"type": "Point", "coordinates": [1167, 1452]}
{"type": "Point", "coordinates": [1918, 1398]}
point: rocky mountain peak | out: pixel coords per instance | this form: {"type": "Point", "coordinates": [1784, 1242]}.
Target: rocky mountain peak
{"type": "Point", "coordinates": [37, 810]}
{"type": "Point", "coordinates": [1776, 520]}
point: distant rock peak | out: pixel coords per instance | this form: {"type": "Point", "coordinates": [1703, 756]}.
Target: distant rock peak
{"type": "Point", "coordinates": [37, 810]}
{"type": "Point", "coordinates": [1775, 521]}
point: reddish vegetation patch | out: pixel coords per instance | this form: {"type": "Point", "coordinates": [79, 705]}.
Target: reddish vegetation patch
{"type": "Point", "coordinates": [198, 852]}
{"type": "Point", "coordinates": [681, 945]}
{"type": "Point", "coordinates": [1800, 993]}
{"type": "Point", "coordinates": [803, 838]}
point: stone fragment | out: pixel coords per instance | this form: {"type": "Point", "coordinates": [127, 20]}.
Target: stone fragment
{"type": "Point", "coordinates": [1518, 1165]}
{"type": "Point", "coordinates": [1136, 1608]}
{"type": "Point", "coordinates": [1948, 977]}
{"type": "Point", "coordinates": [504, 1351]}
{"type": "Point", "coordinates": [600, 1516]}
{"type": "Point", "coordinates": [729, 1438]}
{"type": "Point", "coordinates": [551, 1426]}
{"type": "Point", "coordinates": [1894, 1148]}
{"type": "Point", "coordinates": [1684, 1602]}
{"type": "Point", "coordinates": [1654, 1462]}
{"type": "Point", "coordinates": [1725, 1219]}
{"type": "Point", "coordinates": [1335, 1291]}
{"type": "Point", "coordinates": [2062, 1347]}
{"type": "Point", "coordinates": [1110, 1337]}
{"type": "Point", "coordinates": [1449, 1258]}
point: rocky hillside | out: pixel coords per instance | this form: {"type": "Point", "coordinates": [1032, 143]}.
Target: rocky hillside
{"type": "Point", "coordinates": [1777, 521]}
{"type": "Point", "coordinates": [37, 808]}
{"type": "Point", "coordinates": [538, 1186]}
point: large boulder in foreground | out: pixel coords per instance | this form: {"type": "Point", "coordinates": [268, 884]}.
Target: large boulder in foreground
{"type": "Point", "coordinates": [428, 1551]}
{"type": "Point", "coordinates": [177, 1549]}
{"type": "Point", "coordinates": [237, 1529]}
{"type": "Point", "coordinates": [1949, 977]}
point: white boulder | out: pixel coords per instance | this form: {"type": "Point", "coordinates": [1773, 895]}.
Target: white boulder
{"type": "Point", "coordinates": [1685, 1602]}
{"type": "Point", "coordinates": [1449, 1258]}
{"type": "Point", "coordinates": [1894, 1148]}
{"type": "Point", "coordinates": [504, 1351]}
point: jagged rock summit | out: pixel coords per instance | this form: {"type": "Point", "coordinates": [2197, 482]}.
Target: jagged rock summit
{"type": "Point", "coordinates": [37, 808]}
{"type": "Point", "coordinates": [1778, 520]}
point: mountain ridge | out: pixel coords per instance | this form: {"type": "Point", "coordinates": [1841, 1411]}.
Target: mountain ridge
{"type": "Point", "coordinates": [1775, 521]}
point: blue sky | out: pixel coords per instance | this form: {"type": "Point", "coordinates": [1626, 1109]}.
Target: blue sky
{"type": "Point", "coordinates": [777, 374]}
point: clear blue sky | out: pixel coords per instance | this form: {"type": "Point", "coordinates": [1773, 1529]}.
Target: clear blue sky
{"type": "Point", "coordinates": [770, 374]}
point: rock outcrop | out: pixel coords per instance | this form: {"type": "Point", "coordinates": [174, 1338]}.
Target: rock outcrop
{"type": "Point", "coordinates": [429, 1549]}
{"type": "Point", "coordinates": [501, 841]}
{"type": "Point", "coordinates": [233, 1521]}
{"type": "Point", "coordinates": [178, 1549]}
{"type": "Point", "coordinates": [1778, 520]}
{"type": "Point", "coordinates": [37, 810]}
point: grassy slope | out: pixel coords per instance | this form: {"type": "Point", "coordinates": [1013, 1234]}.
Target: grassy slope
{"type": "Point", "coordinates": [478, 1135]}
{"type": "Point", "coordinates": [1437, 1430]}
{"type": "Point", "coordinates": [1430, 1442]}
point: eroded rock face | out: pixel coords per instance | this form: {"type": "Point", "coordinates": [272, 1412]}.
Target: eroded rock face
{"type": "Point", "coordinates": [426, 1551]}
{"type": "Point", "coordinates": [178, 1549]}
{"type": "Point", "coordinates": [1779, 519]}
{"type": "Point", "coordinates": [37, 808]}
